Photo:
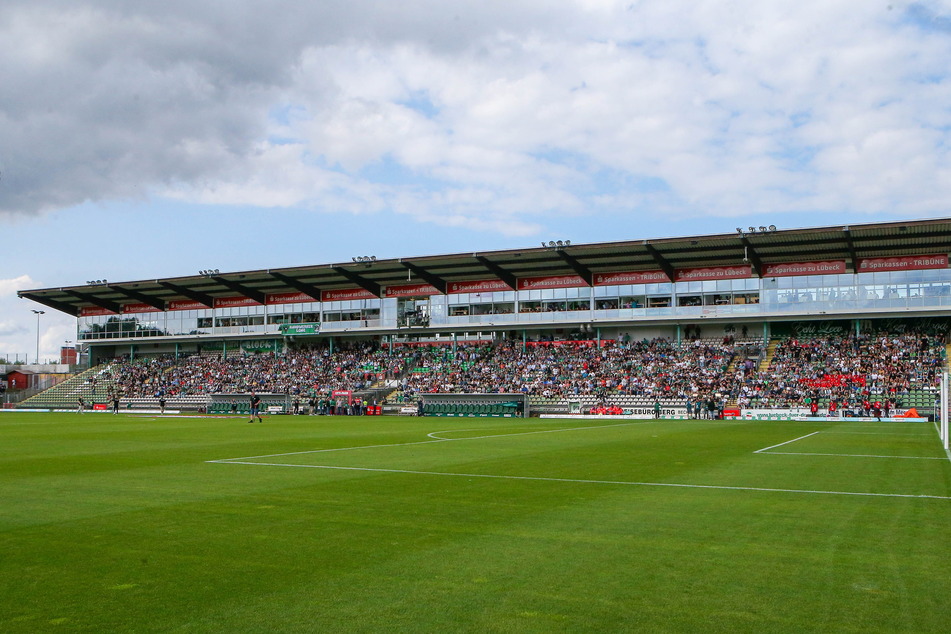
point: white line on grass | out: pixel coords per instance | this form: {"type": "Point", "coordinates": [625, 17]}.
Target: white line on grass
{"type": "Point", "coordinates": [851, 455]}
{"type": "Point", "coordinates": [872, 433]}
{"type": "Point", "coordinates": [579, 481]}
{"type": "Point", "coordinates": [425, 442]}
{"type": "Point", "coordinates": [525, 433]}
{"type": "Point", "coordinates": [786, 443]}
{"type": "Point", "coordinates": [298, 453]}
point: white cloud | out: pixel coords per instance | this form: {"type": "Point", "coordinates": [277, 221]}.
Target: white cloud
{"type": "Point", "coordinates": [12, 285]}
{"type": "Point", "coordinates": [18, 324]}
{"type": "Point", "coordinates": [472, 116]}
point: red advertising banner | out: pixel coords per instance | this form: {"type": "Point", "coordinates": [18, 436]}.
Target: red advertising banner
{"type": "Point", "coordinates": [586, 343]}
{"type": "Point", "coordinates": [288, 298]}
{"type": "Point", "coordinates": [440, 344]}
{"type": "Point", "coordinates": [338, 394]}
{"type": "Point", "coordinates": [906, 263]}
{"type": "Point", "coordinates": [94, 311]}
{"type": "Point", "coordinates": [789, 269]}
{"type": "Point", "coordinates": [234, 302]}
{"type": "Point", "coordinates": [477, 286]}
{"type": "Point", "coordinates": [186, 304]}
{"type": "Point", "coordinates": [139, 308]}
{"type": "Point", "coordinates": [346, 294]}
{"type": "Point", "coordinates": [553, 281]}
{"type": "Point", "coordinates": [713, 273]}
{"type": "Point", "coordinates": [410, 290]}
{"type": "Point", "coordinates": [630, 277]}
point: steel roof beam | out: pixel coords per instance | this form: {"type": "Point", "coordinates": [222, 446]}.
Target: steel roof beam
{"type": "Point", "coordinates": [498, 271]}
{"type": "Point", "coordinates": [96, 301]}
{"type": "Point", "coordinates": [307, 289]}
{"type": "Point", "coordinates": [433, 280]}
{"type": "Point", "coordinates": [576, 266]}
{"type": "Point", "coordinates": [660, 261]}
{"type": "Point", "coordinates": [750, 256]}
{"type": "Point", "coordinates": [154, 302]}
{"type": "Point", "coordinates": [850, 245]}
{"type": "Point", "coordinates": [69, 309]}
{"type": "Point", "coordinates": [245, 291]}
{"type": "Point", "coordinates": [368, 285]}
{"type": "Point", "coordinates": [195, 296]}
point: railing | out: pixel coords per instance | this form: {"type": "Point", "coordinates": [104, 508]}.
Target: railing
{"type": "Point", "coordinates": [768, 306]}
{"type": "Point", "coordinates": [17, 396]}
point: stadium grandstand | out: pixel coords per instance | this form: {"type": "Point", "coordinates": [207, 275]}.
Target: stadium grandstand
{"type": "Point", "coordinates": [846, 320]}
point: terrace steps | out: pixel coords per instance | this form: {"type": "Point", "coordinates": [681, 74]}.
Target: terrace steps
{"type": "Point", "coordinates": [89, 384]}
{"type": "Point", "coordinates": [768, 357]}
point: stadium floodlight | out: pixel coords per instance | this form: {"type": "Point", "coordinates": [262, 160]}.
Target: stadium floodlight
{"type": "Point", "coordinates": [567, 243]}
{"type": "Point", "coordinates": [38, 313]}
{"type": "Point", "coordinates": [762, 229]}
{"type": "Point", "coordinates": [551, 243]}
{"type": "Point", "coordinates": [739, 230]}
{"type": "Point", "coordinates": [772, 227]}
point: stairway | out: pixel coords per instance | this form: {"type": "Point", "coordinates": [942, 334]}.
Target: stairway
{"type": "Point", "coordinates": [64, 395]}
{"type": "Point", "coordinates": [770, 353]}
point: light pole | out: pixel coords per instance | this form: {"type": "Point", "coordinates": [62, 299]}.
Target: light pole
{"type": "Point", "coordinates": [38, 313]}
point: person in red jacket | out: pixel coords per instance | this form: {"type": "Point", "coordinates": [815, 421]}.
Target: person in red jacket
{"type": "Point", "coordinates": [814, 407]}
{"type": "Point", "coordinates": [833, 406]}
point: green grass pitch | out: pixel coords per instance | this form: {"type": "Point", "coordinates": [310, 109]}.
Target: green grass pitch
{"type": "Point", "coordinates": [329, 524]}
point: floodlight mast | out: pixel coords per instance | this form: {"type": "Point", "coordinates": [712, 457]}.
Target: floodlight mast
{"type": "Point", "coordinates": [38, 313]}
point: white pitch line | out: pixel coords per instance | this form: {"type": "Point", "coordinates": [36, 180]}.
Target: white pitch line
{"type": "Point", "coordinates": [851, 455]}
{"type": "Point", "coordinates": [578, 481]}
{"type": "Point", "coordinates": [298, 453]}
{"type": "Point", "coordinates": [526, 433]}
{"type": "Point", "coordinates": [874, 433]}
{"type": "Point", "coordinates": [423, 442]}
{"type": "Point", "coordinates": [786, 443]}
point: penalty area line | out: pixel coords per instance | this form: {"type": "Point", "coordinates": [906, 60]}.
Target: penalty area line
{"type": "Point", "coordinates": [785, 443]}
{"type": "Point", "coordinates": [527, 433]}
{"type": "Point", "coordinates": [852, 455]}
{"type": "Point", "coordinates": [583, 481]}
{"type": "Point", "coordinates": [432, 435]}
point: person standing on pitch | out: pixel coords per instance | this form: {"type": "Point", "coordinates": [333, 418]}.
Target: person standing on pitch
{"type": "Point", "coordinates": [81, 405]}
{"type": "Point", "coordinates": [255, 408]}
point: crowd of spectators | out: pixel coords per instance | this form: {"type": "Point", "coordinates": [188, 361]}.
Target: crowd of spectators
{"type": "Point", "coordinates": [652, 369]}
{"type": "Point", "coordinates": [304, 372]}
{"type": "Point", "coordinates": [843, 369]}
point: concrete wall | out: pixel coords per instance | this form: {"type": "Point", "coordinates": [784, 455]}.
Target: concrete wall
{"type": "Point", "coordinates": [42, 368]}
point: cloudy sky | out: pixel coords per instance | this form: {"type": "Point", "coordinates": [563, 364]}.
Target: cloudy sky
{"type": "Point", "coordinates": [145, 139]}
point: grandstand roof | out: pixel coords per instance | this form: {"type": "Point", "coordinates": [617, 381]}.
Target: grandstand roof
{"type": "Point", "coordinates": [757, 247]}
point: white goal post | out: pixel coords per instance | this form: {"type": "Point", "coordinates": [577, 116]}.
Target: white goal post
{"type": "Point", "coordinates": [943, 400]}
